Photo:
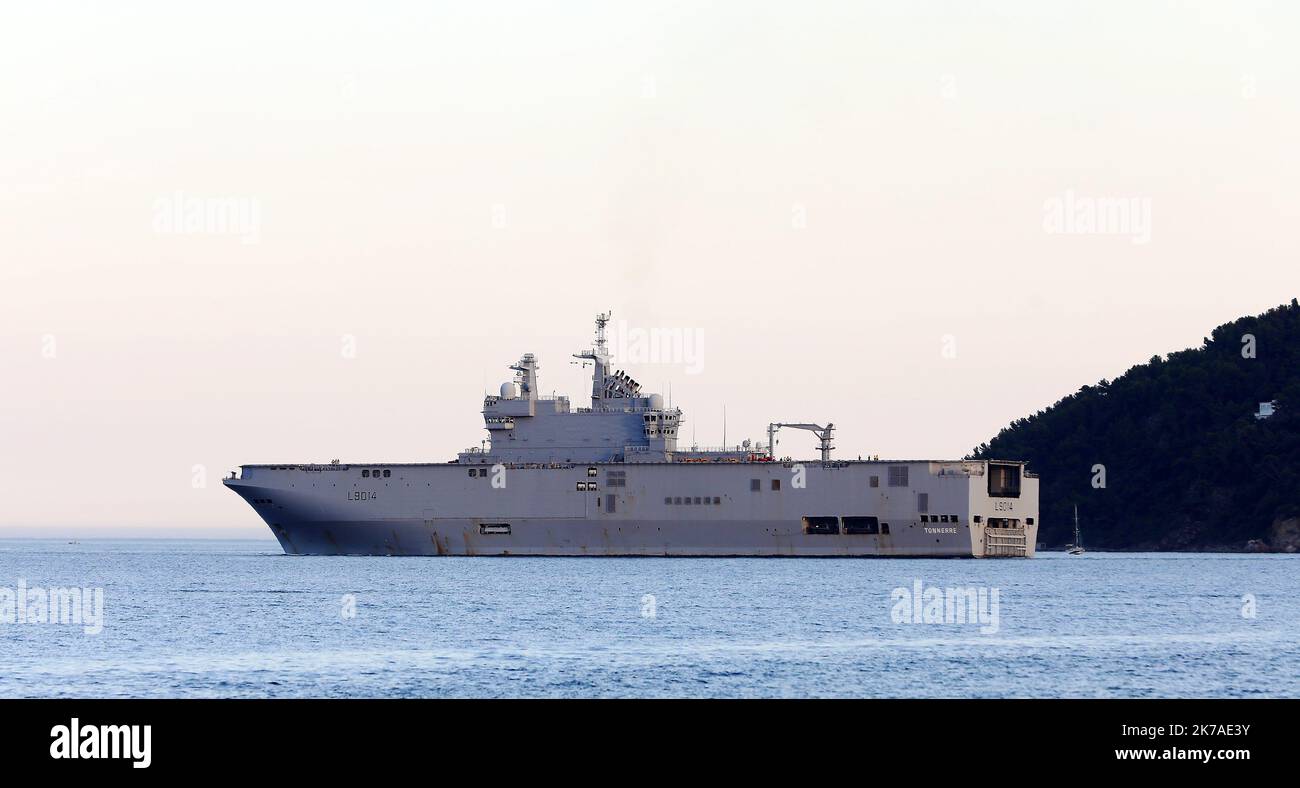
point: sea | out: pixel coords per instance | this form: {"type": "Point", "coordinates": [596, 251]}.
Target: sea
{"type": "Point", "coordinates": [239, 619]}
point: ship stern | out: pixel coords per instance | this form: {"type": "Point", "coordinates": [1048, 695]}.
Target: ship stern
{"type": "Point", "coordinates": [1004, 511]}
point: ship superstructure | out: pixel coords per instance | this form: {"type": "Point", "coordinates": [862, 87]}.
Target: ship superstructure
{"type": "Point", "coordinates": [610, 479]}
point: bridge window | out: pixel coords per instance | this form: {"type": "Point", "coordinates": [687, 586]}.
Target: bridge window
{"type": "Point", "coordinates": [668, 501]}
{"type": "Point", "coordinates": [718, 502]}
{"type": "Point", "coordinates": [884, 528]}
{"type": "Point", "coordinates": [925, 518]}
{"type": "Point", "coordinates": [472, 473]}
{"type": "Point", "coordinates": [677, 501]}
{"type": "Point", "coordinates": [387, 474]}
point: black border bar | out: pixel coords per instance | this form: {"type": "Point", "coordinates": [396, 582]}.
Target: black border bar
{"type": "Point", "coordinates": [330, 737]}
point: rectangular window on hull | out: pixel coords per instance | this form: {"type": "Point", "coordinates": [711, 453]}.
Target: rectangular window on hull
{"type": "Point", "coordinates": [898, 476]}
{"type": "Point", "coordinates": [755, 485]}
{"type": "Point", "coordinates": [821, 525]}
{"type": "Point", "coordinates": [366, 474]}
{"type": "Point", "coordinates": [875, 481]}
{"type": "Point", "coordinates": [923, 502]}
{"type": "Point", "coordinates": [1004, 481]}
{"type": "Point", "coordinates": [494, 528]}
{"type": "Point", "coordinates": [609, 504]}
{"type": "Point", "coordinates": [861, 525]}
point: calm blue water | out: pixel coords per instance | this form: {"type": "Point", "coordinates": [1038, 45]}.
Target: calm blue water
{"type": "Point", "coordinates": [239, 619]}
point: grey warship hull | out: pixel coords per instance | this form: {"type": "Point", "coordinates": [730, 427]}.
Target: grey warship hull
{"type": "Point", "coordinates": [610, 480]}
{"type": "Point", "coordinates": [740, 509]}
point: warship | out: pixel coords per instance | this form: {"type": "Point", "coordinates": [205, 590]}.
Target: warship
{"type": "Point", "coordinates": [611, 480]}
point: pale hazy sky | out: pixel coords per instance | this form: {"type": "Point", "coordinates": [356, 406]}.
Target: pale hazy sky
{"type": "Point", "coordinates": [816, 193]}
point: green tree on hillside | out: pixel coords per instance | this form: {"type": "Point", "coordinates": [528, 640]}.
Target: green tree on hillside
{"type": "Point", "coordinates": [1187, 463]}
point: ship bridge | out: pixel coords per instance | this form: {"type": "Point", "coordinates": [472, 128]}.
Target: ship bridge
{"type": "Point", "coordinates": [622, 424]}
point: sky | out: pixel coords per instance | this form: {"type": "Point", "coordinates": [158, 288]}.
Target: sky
{"type": "Point", "coordinates": [291, 232]}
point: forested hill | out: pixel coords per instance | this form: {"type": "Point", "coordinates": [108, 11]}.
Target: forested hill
{"type": "Point", "coordinates": [1187, 464]}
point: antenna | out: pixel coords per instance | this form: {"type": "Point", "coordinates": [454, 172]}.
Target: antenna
{"type": "Point", "coordinates": [601, 320]}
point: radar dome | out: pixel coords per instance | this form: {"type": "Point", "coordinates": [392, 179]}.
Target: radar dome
{"type": "Point", "coordinates": [656, 402]}
{"type": "Point", "coordinates": [509, 390]}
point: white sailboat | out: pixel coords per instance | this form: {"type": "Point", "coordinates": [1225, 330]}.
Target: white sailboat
{"type": "Point", "coordinates": [1077, 547]}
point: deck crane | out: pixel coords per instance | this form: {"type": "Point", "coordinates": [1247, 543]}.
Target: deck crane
{"type": "Point", "coordinates": [823, 434]}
